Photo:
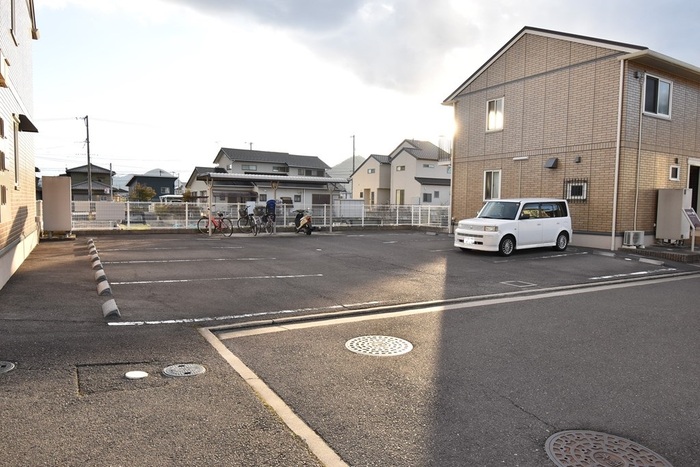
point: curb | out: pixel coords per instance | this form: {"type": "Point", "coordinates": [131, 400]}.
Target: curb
{"type": "Point", "coordinates": [109, 308]}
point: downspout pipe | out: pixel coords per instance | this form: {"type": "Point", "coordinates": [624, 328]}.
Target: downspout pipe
{"type": "Point", "coordinates": [618, 143]}
{"type": "Point", "coordinates": [642, 96]}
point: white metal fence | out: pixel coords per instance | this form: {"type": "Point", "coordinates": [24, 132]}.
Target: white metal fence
{"type": "Point", "coordinates": [108, 215]}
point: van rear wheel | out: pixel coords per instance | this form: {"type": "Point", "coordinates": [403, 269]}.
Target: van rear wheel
{"type": "Point", "coordinates": [507, 245]}
{"type": "Point", "coordinates": [562, 242]}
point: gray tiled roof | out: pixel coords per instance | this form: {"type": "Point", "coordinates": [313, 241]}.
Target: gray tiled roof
{"type": "Point", "coordinates": [291, 160]}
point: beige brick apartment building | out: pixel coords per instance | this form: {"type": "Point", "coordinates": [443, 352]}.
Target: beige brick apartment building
{"type": "Point", "coordinates": [18, 228]}
{"type": "Point", "coordinates": [604, 124]}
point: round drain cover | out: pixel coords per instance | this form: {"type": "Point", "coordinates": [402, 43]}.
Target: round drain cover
{"type": "Point", "coordinates": [6, 366]}
{"type": "Point", "coordinates": [135, 374]}
{"type": "Point", "coordinates": [184, 369]}
{"type": "Point", "coordinates": [591, 448]}
{"type": "Point", "coordinates": [380, 346]}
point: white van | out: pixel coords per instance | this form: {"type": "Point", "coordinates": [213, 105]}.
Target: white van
{"type": "Point", "coordinates": [506, 225]}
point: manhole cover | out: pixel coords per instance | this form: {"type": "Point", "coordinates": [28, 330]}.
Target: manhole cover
{"type": "Point", "coordinates": [184, 369]}
{"type": "Point", "coordinates": [6, 366]}
{"type": "Point", "coordinates": [591, 448]}
{"type": "Point", "coordinates": [380, 346]}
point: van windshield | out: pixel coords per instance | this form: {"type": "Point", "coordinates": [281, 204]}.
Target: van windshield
{"type": "Point", "coordinates": [499, 210]}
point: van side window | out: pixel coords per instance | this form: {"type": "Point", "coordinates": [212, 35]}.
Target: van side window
{"type": "Point", "coordinates": [530, 211]}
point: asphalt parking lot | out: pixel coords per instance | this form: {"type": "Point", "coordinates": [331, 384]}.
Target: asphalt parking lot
{"type": "Point", "coordinates": [504, 352]}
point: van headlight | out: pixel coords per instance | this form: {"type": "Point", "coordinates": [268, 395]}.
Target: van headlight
{"type": "Point", "coordinates": [490, 228]}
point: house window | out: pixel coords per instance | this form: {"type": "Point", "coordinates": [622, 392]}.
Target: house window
{"type": "Point", "coordinates": [362, 194]}
{"type": "Point", "coordinates": [400, 168]}
{"type": "Point", "coordinates": [262, 197]}
{"type": "Point", "coordinates": [576, 190]}
{"type": "Point", "coordinates": [428, 166]}
{"type": "Point", "coordinates": [674, 173]}
{"type": "Point", "coordinates": [371, 171]}
{"type": "Point", "coordinates": [657, 96]}
{"type": "Point", "coordinates": [427, 197]}
{"type": "Point", "coordinates": [250, 167]}
{"type": "Point", "coordinates": [399, 196]}
{"type": "Point", "coordinates": [297, 198]}
{"type": "Point", "coordinates": [280, 168]}
{"type": "Point", "coordinates": [494, 115]}
{"type": "Point", "coordinates": [164, 190]}
{"type": "Point", "coordinates": [436, 194]}
{"type": "Point", "coordinates": [492, 184]}
{"type": "Point", "coordinates": [3, 163]}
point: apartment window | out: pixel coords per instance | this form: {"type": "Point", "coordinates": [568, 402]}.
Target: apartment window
{"type": "Point", "coordinates": [280, 168]}
{"type": "Point", "coordinates": [494, 115]}
{"type": "Point", "coordinates": [297, 198]}
{"type": "Point", "coordinates": [657, 96]}
{"type": "Point", "coordinates": [427, 197]}
{"type": "Point", "coordinates": [576, 190]}
{"type": "Point", "coordinates": [262, 198]}
{"type": "Point", "coordinates": [3, 162]}
{"type": "Point", "coordinates": [400, 196]}
{"type": "Point", "coordinates": [436, 195]}
{"type": "Point", "coordinates": [249, 167]}
{"type": "Point", "coordinates": [400, 168]}
{"type": "Point", "coordinates": [674, 173]}
{"type": "Point", "coordinates": [492, 184]}
{"type": "Point", "coordinates": [371, 171]}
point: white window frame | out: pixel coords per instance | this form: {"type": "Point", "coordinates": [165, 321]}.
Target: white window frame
{"type": "Point", "coordinates": [494, 114]}
{"type": "Point", "coordinates": [574, 183]}
{"type": "Point", "coordinates": [488, 182]}
{"type": "Point", "coordinates": [674, 173]}
{"type": "Point", "coordinates": [655, 112]}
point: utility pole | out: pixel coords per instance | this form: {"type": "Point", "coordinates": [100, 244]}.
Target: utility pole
{"type": "Point", "coordinates": [352, 184]}
{"type": "Point", "coordinates": [250, 145]}
{"type": "Point", "coordinates": [89, 166]}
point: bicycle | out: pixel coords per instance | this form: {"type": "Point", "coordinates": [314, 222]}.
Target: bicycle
{"type": "Point", "coordinates": [244, 221]}
{"type": "Point", "coordinates": [220, 223]}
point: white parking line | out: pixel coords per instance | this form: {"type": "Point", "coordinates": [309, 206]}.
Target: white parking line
{"type": "Point", "coordinates": [196, 260]}
{"type": "Point", "coordinates": [176, 281]}
{"type": "Point", "coordinates": [632, 274]}
{"type": "Point", "coordinates": [170, 248]}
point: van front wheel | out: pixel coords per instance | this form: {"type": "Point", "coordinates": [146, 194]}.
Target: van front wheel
{"type": "Point", "coordinates": [562, 242]}
{"type": "Point", "coordinates": [507, 245]}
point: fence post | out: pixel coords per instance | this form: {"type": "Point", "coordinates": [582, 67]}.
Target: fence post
{"type": "Point", "coordinates": [128, 215]}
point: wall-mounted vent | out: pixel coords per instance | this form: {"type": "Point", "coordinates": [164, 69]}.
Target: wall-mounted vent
{"type": "Point", "coordinates": [633, 238]}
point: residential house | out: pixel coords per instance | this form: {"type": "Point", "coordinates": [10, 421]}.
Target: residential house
{"type": "Point", "coordinates": [411, 174]}
{"type": "Point", "coordinates": [372, 180]}
{"type": "Point", "coordinates": [162, 182]}
{"type": "Point", "coordinates": [345, 170]}
{"type": "Point", "coordinates": [19, 231]}
{"type": "Point", "coordinates": [603, 124]}
{"type": "Point", "coordinates": [246, 161]}
{"type": "Point", "coordinates": [102, 189]}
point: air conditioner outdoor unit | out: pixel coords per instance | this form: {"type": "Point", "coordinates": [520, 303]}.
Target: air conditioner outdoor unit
{"type": "Point", "coordinates": [4, 78]}
{"type": "Point", "coordinates": [633, 238]}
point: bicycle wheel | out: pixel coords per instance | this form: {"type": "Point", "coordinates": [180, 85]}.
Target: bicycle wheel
{"type": "Point", "coordinates": [243, 225]}
{"type": "Point", "coordinates": [268, 226]}
{"type": "Point", "coordinates": [203, 225]}
{"type": "Point", "coordinates": [226, 227]}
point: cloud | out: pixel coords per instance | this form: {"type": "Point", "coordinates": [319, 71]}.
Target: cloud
{"type": "Point", "coordinates": [394, 44]}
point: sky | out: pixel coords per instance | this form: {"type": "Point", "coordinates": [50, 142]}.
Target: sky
{"type": "Point", "coordinates": [166, 83]}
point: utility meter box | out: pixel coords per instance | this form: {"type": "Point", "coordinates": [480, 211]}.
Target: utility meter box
{"type": "Point", "coordinates": [56, 194]}
{"type": "Point", "coordinates": [671, 224]}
